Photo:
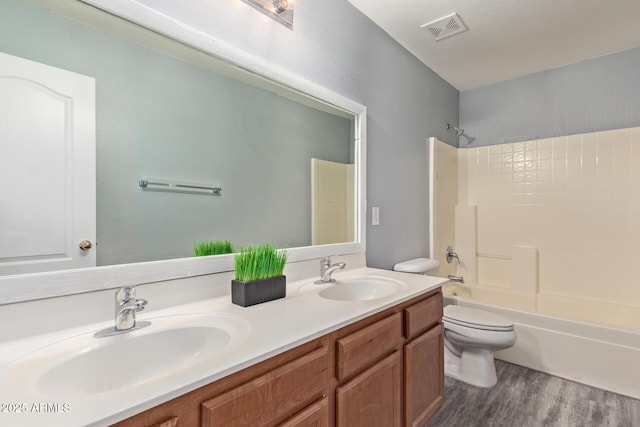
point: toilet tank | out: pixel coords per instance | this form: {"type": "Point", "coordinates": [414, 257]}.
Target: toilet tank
{"type": "Point", "coordinates": [426, 266]}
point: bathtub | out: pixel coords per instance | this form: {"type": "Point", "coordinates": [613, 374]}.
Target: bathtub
{"type": "Point", "coordinates": [600, 356]}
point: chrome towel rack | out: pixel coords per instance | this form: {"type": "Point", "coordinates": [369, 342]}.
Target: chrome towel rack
{"type": "Point", "coordinates": [159, 185]}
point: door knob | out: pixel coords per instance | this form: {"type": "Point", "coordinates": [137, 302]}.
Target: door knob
{"type": "Point", "coordinates": [85, 245]}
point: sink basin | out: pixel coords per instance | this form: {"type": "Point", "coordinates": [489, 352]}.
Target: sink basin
{"type": "Point", "coordinates": [87, 365]}
{"type": "Point", "coordinates": [363, 288]}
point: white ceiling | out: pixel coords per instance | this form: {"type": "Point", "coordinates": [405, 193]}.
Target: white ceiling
{"type": "Point", "coordinates": [508, 38]}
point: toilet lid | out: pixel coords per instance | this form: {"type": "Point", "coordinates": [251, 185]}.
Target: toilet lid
{"type": "Point", "coordinates": [417, 265]}
{"type": "Point", "coordinates": [478, 319]}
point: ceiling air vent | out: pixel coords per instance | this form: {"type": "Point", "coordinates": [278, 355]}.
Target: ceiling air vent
{"type": "Point", "coordinates": [445, 27]}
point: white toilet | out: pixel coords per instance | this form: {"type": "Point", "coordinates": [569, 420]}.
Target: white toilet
{"type": "Point", "coordinates": [470, 338]}
{"type": "Point", "coordinates": [470, 335]}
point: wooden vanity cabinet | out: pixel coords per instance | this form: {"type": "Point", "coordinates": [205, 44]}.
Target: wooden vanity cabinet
{"type": "Point", "coordinates": [401, 360]}
{"type": "Point", "coordinates": [385, 370]}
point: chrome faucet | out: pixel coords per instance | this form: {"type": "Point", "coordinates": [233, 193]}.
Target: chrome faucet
{"type": "Point", "coordinates": [459, 279]}
{"type": "Point", "coordinates": [326, 269]}
{"type": "Point", "coordinates": [127, 305]}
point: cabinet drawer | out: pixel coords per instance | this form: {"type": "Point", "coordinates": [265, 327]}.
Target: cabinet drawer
{"type": "Point", "coordinates": [423, 315]}
{"type": "Point", "coordinates": [360, 349]}
{"type": "Point", "coordinates": [278, 393]}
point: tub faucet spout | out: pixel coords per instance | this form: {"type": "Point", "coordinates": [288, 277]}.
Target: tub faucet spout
{"type": "Point", "coordinates": [459, 279]}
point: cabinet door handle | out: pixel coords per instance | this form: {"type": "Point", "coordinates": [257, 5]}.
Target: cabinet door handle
{"type": "Point", "coordinates": [85, 245]}
{"type": "Point", "coordinates": [170, 422]}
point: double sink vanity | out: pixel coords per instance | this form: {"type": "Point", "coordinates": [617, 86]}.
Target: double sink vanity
{"type": "Point", "coordinates": [364, 350]}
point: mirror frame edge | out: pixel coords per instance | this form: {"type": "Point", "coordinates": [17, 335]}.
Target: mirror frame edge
{"type": "Point", "coordinates": [34, 286]}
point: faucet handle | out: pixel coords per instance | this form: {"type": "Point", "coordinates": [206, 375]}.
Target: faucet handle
{"type": "Point", "coordinates": [451, 254]}
{"type": "Point", "coordinates": [326, 260]}
{"type": "Point", "coordinates": [125, 294]}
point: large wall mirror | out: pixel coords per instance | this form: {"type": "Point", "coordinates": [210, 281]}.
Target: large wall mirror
{"type": "Point", "coordinates": [287, 155]}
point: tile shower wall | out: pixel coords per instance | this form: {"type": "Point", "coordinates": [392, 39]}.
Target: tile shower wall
{"type": "Point", "coordinates": [574, 198]}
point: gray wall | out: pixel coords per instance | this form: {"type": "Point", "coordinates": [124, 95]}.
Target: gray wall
{"type": "Point", "coordinates": [163, 118]}
{"type": "Point", "coordinates": [594, 95]}
{"type": "Point", "coordinates": [335, 46]}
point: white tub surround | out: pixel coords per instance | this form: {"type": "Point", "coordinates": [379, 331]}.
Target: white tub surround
{"type": "Point", "coordinates": [268, 329]}
{"type": "Point", "coordinates": [551, 225]}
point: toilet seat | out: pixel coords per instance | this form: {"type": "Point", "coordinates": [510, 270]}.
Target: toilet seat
{"type": "Point", "coordinates": [476, 319]}
{"type": "Point", "coordinates": [477, 337]}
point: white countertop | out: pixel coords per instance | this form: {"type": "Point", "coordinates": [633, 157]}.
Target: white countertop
{"type": "Point", "coordinates": [273, 328]}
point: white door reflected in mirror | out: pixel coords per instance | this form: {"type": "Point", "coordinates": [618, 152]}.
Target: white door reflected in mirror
{"type": "Point", "coordinates": [47, 167]}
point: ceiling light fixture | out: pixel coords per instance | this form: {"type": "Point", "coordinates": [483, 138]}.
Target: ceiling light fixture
{"type": "Point", "coordinates": [278, 10]}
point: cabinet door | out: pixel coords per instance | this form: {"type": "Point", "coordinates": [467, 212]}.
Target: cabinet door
{"type": "Point", "coordinates": [424, 376]}
{"type": "Point", "coordinates": [316, 415]}
{"type": "Point", "coordinates": [372, 398]}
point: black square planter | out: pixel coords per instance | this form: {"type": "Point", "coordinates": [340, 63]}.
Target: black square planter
{"type": "Point", "coordinates": [252, 293]}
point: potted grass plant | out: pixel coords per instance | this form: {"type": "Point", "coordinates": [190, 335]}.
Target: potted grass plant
{"type": "Point", "coordinates": [258, 275]}
{"type": "Point", "coordinates": [212, 247]}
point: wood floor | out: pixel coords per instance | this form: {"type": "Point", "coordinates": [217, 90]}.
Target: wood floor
{"type": "Point", "coordinates": [528, 398]}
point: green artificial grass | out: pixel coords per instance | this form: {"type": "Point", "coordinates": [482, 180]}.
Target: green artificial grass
{"type": "Point", "coordinates": [259, 262]}
{"type": "Point", "coordinates": [212, 247]}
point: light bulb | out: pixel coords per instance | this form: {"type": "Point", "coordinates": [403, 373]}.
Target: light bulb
{"type": "Point", "coordinates": [279, 6]}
